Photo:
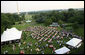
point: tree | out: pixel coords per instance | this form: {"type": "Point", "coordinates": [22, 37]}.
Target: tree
{"type": "Point", "coordinates": [69, 16]}
{"type": "Point", "coordinates": [75, 25]}
{"type": "Point", "coordinates": [40, 20]}
{"type": "Point", "coordinates": [60, 22]}
{"type": "Point", "coordinates": [7, 20]}
{"type": "Point", "coordinates": [71, 20]}
{"type": "Point", "coordinates": [71, 12]}
{"type": "Point", "coordinates": [48, 21]}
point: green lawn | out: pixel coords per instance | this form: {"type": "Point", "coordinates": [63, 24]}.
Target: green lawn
{"type": "Point", "coordinates": [27, 38]}
{"type": "Point", "coordinates": [79, 31]}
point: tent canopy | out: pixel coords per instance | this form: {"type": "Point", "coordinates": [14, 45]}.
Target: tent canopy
{"type": "Point", "coordinates": [74, 42]}
{"type": "Point", "coordinates": [62, 50]}
{"type": "Point", "coordinates": [28, 21]}
{"type": "Point", "coordinates": [11, 34]}
{"type": "Point", "coordinates": [54, 24]}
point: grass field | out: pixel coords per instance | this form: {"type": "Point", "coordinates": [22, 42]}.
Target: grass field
{"type": "Point", "coordinates": [27, 38]}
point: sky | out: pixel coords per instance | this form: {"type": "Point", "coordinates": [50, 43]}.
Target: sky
{"type": "Point", "coordinates": [26, 6]}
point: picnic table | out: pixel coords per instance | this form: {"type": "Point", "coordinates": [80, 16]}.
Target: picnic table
{"type": "Point", "coordinates": [38, 38]}
{"type": "Point", "coordinates": [52, 37]}
{"type": "Point", "coordinates": [49, 36]}
{"type": "Point", "coordinates": [41, 39]}
{"type": "Point", "coordinates": [49, 32]}
{"type": "Point", "coordinates": [50, 40]}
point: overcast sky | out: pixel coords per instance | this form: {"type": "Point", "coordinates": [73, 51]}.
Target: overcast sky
{"type": "Point", "coordinates": [11, 6]}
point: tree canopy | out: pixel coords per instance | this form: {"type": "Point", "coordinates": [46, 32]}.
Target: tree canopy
{"type": "Point", "coordinates": [68, 16]}
{"type": "Point", "coordinates": [7, 20]}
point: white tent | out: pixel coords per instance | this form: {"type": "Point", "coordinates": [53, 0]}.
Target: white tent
{"type": "Point", "coordinates": [75, 42]}
{"type": "Point", "coordinates": [11, 34]}
{"type": "Point", "coordinates": [62, 50]}
{"type": "Point", "coordinates": [28, 21]}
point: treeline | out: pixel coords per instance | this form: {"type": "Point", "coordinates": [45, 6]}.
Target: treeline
{"type": "Point", "coordinates": [7, 20]}
{"type": "Point", "coordinates": [68, 16]}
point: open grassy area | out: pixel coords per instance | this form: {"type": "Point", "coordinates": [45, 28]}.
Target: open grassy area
{"type": "Point", "coordinates": [79, 31]}
{"type": "Point", "coordinates": [27, 38]}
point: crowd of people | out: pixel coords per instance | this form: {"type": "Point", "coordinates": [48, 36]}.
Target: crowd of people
{"type": "Point", "coordinates": [43, 34]}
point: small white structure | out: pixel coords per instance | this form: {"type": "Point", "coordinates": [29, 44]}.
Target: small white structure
{"type": "Point", "coordinates": [74, 42]}
{"type": "Point", "coordinates": [11, 34]}
{"type": "Point", "coordinates": [62, 50]}
{"type": "Point", "coordinates": [28, 21]}
{"type": "Point", "coordinates": [54, 24]}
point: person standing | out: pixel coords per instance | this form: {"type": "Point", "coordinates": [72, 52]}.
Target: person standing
{"type": "Point", "coordinates": [14, 47]}
{"type": "Point", "coordinates": [19, 44]}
